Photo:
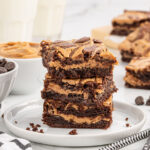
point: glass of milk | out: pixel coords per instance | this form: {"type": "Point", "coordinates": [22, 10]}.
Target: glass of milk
{"type": "Point", "coordinates": [49, 20]}
{"type": "Point", "coordinates": [16, 19]}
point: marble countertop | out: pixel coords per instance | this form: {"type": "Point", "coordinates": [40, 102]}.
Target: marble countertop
{"type": "Point", "coordinates": [80, 17]}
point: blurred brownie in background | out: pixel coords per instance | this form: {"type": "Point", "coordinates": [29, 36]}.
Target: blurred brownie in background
{"type": "Point", "coordinates": [138, 73]}
{"type": "Point", "coordinates": [137, 43]}
{"type": "Point", "coordinates": [129, 21]}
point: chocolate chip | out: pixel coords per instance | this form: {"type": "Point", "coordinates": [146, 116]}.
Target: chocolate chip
{"type": "Point", "coordinates": [66, 45]}
{"type": "Point", "coordinates": [9, 66]}
{"type": "Point", "coordinates": [16, 122]}
{"type": "Point", "coordinates": [32, 125]}
{"type": "Point", "coordinates": [3, 62]}
{"type": "Point", "coordinates": [97, 41]}
{"type": "Point", "coordinates": [82, 40]}
{"type": "Point", "coordinates": [2, 70]}
{"type": "Point", "coordinates": [87, 51]}
{"type": "Point", "coordinates": [139, 100]}
{"type": "Point", "coordinates": [148, 102]}
{"type": "Point", "coordinates": [73, 132]}
{"type": "Point", "coordinates": [127, 124]}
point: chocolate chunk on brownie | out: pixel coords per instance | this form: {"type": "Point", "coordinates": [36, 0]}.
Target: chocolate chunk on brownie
{"type": "Point", "coordinates": [81, 58]}
{"type": "Point", "coordinates": [129, 21]}
{"type": "Point", "coordinates": [138, 73]}
{"type": "Point", "coordinates": [136, 44]}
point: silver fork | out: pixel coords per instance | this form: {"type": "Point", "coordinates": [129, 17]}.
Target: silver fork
{"type": "Point", "coordinates": [127, 141]}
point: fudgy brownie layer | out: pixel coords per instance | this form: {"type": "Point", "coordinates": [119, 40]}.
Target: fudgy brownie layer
{"type": "Point", "coordinates": [138, 87]}
{"type": "Point", "coordinates": [143, 75]}
{"type": "Point", "coordinates": [85, 85]}
{"type": "Point", "coordinates": [120, 32]}
{"type": "Point", "coordinates": [134, 24]}
{"type": "Point", "coordinates": [80, 98]}
{"type": "Point", "coordinates": [127, 55]}
{"type": "Point", "coordinates": [79, 110]}
{"type": "Point", "coordinates": [80, 73]}
{"type": "Point", "coordinates": [59, 122]}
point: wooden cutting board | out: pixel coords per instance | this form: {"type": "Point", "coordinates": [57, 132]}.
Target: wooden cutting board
{"type": "Point", "coordinates": [103, 34]}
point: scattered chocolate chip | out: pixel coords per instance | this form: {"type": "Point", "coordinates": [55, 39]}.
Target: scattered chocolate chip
{"type": "Point", "coordinates": [73, 132]}
{"type": "Point", "coordinates": [139, 100]}
{"type": "Point", "coordinates": [127, 124]}
{"type": "Point", "coordinates": [126, 119]}
{"type": "Point", "coordinates": [27, 128]}
{"type": "Point", "coordinates": [2, 70]}
{"type": "Point", "coordinates": [9, 66]}
{"type": "Point", "coordinates": [82, 40]}
{"type": "Point", "coordinates": [148, 102]}
{"type": "Point", "coordinates": [66, 45]}
{"type": "Point", "coordinates": [2, 115]}
{"type": "Point", "coordinates": [16, 122]}
{"type": "Point", "coordinates": [97, 41]}
{"type": "Point", "coordinates": [41, 131]}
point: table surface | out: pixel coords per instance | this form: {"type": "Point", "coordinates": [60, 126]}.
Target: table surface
{"type": "Point", "coordinates": [80, 18]}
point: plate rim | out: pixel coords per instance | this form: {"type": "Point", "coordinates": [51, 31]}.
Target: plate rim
{"type": "Point", "coordinates": [10, 124]}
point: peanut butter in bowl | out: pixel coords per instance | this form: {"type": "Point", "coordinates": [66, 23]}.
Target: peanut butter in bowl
{"type": "Point", "coordinates": [20, 50]}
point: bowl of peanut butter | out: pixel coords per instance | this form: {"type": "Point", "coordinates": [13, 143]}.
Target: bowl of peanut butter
{"type": "Point", "coordinates": [31, 70]}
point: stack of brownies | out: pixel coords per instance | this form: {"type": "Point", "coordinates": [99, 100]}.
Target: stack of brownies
{"type": "Point", "coordinates": [79, 84]}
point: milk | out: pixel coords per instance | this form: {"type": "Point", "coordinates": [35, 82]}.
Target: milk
{"type": "Point", "coordinates": [49, 19]}
{"type": "Point", "coordinates": [16, 19]}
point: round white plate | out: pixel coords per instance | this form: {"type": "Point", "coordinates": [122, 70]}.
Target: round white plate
{"type": "Point", "coordinates": [31, 112]}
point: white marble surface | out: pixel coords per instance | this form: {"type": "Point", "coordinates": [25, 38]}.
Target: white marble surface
{"type": "Point", "coordinates": [80, 17]}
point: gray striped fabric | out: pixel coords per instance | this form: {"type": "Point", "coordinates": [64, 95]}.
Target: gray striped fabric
{"type": "Point", "coordinates": [10, 143]}
{"type": "Point", "coordinates": [127, 141]}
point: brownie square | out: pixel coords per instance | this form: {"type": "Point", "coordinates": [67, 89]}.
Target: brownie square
{"type": "Point", "coordinates": [82, 58]}
{"type": "Point", "coordinates": [129, 21]}
{"type": "Point", "coordinates": [136, 44]}
{"type": "Point", "coordinates": [138, 73]}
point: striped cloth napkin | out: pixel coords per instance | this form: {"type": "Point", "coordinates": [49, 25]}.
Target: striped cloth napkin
{"type": "Point", "coordinates": [8, 142]}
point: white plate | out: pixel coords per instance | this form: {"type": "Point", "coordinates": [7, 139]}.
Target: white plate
{"type": "Point", "coordinates": [32, 112]}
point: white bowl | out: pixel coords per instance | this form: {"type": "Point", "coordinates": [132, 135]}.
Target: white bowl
{"type": "Point", "coordinates": [7, 81]}
{"type": "Point", "coordinates": [30, 75]}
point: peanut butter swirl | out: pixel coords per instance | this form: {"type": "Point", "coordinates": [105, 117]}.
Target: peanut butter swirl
{"type": "Point", "coordinates": [20, 50]}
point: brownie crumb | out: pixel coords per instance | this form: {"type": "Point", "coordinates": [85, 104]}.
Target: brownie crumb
{"type": "Point", "coordinates": [35, 129]}
{"type": "Point", "coordinates": [38, 125]}
{"type": "Point", "coordinates": [41, 131]}
{"type": "Point", "coordinates": [16, 122]}
{"type": "Point", "coordinates": [127, 124]}
{"type": "Point", "coordinates": [2, 115]}
{"type": "Point", "coordinates": [32, 125]}
{"type": "Point", "coordinates": [28, 128]}
{"type": "Point", "coordinates": [148, 102]}
{"type": "Point", "coordinates": [139, 100]}
{"type": "Point", "coordinates": [126, 119]}
{"type": "Point", "coordinates": [73, 132]}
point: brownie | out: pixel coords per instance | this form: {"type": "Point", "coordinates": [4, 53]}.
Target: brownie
{"type": "Point", "coordinates": [129, 21]}
{"type": "Point", "coordinates": [77, 116]}
{"type": "Point", "coordinates": [138, 73]}
{"type": "Point", "coordinates": [136, 44]}
{"type": "Point", "coordinates": [82, 58]}
{"type": "Point", "coordinates": [78, 86]}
